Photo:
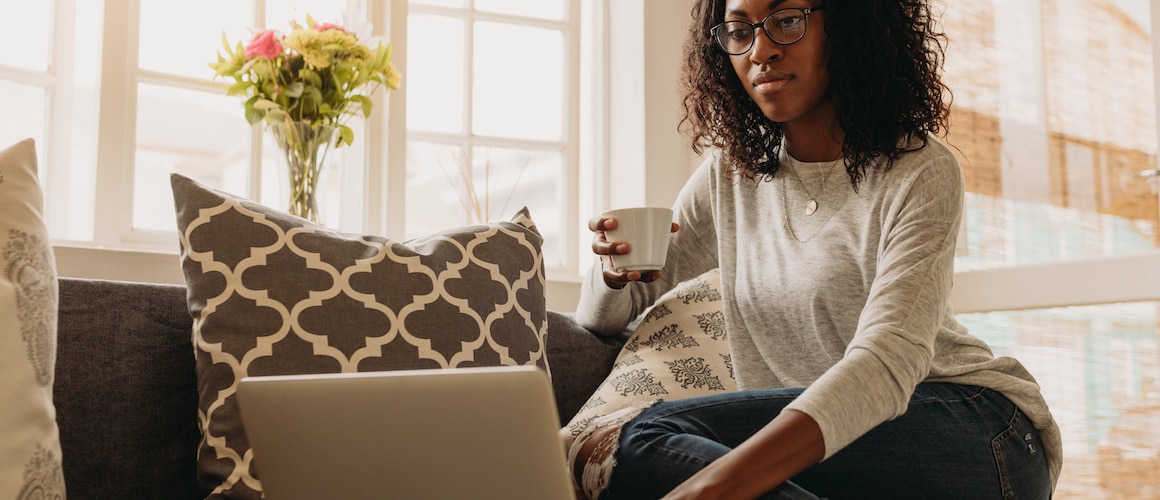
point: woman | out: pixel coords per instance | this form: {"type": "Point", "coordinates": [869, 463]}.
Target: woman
{"type": "Point", "coordinates": [856, 379]}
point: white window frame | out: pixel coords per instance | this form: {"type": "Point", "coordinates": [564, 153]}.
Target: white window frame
{"type": "Point", "coordinates": [384, 182]}
{"type": "Point", "coordinates": [569, 144]}
{"type": "Point", "coordinates": [117, 129]}
{"type": "Point", "coordinates": [57, 83]}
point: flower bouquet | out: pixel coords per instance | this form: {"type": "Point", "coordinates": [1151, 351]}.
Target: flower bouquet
{"type": "Point", "coordinates": [305, 85]}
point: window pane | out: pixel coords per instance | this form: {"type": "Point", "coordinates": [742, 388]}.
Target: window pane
{"type": "Point", "coordinates": [525, 178]}
{"type": "Point", "coordinates": [199, 135]}
{"type": "Point", "coordinates": [30, 29]}
{"type": "Point", "coordinates": [1099, 369]}
{"type": "Point", "coordinates": [24, 109]}
{"type": "Point", "coordinates": [544, 9]}
{"type": "Point", "coordinates": [1053, 122]}
{"type": "Point", "coordinates": [433, 182]}
{"type": "Point", "coordinates": [439, 195]}
{"type": "Point", "coordinates": [513, 98]}
{"type": "Point", "coordinates": [182, 38]}
{"type": "Point", "coordinates": [280, 14]}
{"type": "Point", "coordinates": [77, 200]}
{"type": "Point", "coordinates": [435, 80]}
{"type": "Point", "coordinates": [440, 3]}
{"type": "Point", "coordinates": [338, 170]}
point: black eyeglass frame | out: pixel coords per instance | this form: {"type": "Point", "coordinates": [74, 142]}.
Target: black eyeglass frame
{"type": "Point", "coordinates": [806, 11]}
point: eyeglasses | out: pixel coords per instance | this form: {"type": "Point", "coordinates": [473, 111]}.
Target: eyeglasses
{"type": "Point", "coordinates": [783, 27]}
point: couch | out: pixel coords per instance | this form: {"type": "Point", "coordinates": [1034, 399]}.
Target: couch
{"type": "Point", "coordinates": [126, 394]}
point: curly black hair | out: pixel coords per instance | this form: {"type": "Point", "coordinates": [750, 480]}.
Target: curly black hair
{"type": "Point", "coordinates": [885, 59]}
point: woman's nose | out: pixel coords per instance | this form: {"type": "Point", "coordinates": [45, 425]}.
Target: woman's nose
{"type": "Point", "coordinates": [764, 48]}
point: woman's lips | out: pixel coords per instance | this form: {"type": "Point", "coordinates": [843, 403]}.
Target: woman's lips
{"type": "Point", "coordinates": [770, 81]}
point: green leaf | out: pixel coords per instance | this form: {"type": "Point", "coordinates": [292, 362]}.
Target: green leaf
{"type": "Point", "coordinates": [311, 77]}
{"type": "Point", "coordinates": [345, 135]}
{"type": "Point", "coordinates": [226, 44]}
{"type": "Point", "coordinates": [295, 89]}
{"type": "Point", "coordinates": [266, 104]}
{"type": "Point", "coordinates": [365, 103]}
{"type": "Point", "coordinates": [276, 115]}
{"type": "Point", "coordinates": [259, 70]}
{"type": "Point", "coordinates": [342, 75]}
{"type": "Point", "coordinates": [239, 88]}
{"type": "Point", "coordinates": [253, 115]}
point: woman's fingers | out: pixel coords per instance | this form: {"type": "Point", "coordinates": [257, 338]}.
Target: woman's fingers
{"type": "Point", "coordinates": [600, 244]}
{"type": "Point", "coordinates": [599, 224]}
{"type": "Point", "coordinates": [613, 277]}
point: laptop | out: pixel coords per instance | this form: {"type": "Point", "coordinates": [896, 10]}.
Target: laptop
{"type": "Point", "coordinates": [462, 433]}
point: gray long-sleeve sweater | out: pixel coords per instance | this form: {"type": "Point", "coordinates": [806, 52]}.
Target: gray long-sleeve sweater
{"type": "Point", "coordinates": [851, 302]}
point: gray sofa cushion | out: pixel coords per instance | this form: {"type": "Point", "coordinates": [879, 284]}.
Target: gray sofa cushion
{"type": "Point", "coordinates": [580, 361]}
{"type": "Point", "coordinates": [126, 389]}
{"type": "Point", "coordinates": [126, 392]}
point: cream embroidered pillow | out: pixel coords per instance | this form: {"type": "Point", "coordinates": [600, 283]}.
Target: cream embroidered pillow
{"type": "Point", "coordinates": [30, 458]}
{"type": "Point", "coordinates": [679, 351]}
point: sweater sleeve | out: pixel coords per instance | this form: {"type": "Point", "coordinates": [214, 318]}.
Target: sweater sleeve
{"type": "Point", "coordinates": [893, 345]}
{"type": "Point", "coordinates": [692, 251]}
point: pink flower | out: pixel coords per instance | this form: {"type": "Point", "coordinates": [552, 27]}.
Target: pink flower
{"type": "Point", "coordinates": [328, 26]}
{"type": "Point", "coordinates": [264, 44]}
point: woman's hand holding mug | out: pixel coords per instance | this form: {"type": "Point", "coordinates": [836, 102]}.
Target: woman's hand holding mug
{"type": "Point", "coordinates": [632, 243]}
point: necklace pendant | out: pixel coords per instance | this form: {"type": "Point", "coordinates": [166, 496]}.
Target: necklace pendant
{"type": "Point", "coordinates": [811, 207]}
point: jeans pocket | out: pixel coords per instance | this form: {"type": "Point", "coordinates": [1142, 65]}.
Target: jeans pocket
{"type": "Point", "coordinates": [1021, 461]}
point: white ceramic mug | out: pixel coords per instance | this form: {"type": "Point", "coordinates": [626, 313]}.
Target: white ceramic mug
{"type": "Point", "coordinates": [646, 230]}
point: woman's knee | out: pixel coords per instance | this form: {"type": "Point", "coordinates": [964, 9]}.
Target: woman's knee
{"type": "Point", "coordinates": [639, 433]}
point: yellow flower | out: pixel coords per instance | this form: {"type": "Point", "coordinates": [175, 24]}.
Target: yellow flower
{"type": "Point", "coordinates": [308, 44]}
{"type": "Point", "coordinates": [319, 48]}
{"type": "Point", "coordinates": [393, 76]}
{"type": "Point", "coordinates": [336, 37]}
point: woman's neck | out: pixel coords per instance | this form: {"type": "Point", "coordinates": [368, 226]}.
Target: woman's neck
{"type": "Point", "coordinates": [814, 145]}
{"type": "Point", "coordinates": [816, 139]}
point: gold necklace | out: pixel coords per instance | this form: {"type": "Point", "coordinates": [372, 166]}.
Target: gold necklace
{"type": "Point", "coordinates": [812, 205]}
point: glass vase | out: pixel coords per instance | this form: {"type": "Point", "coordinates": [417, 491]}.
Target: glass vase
{"type": "Point", "coordinates": [303, 146]}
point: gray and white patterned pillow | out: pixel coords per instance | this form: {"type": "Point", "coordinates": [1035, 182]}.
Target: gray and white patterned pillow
{"type": "Point", "coordinates": [679, 350]}
{"type": "Point", "coordinates": [30, 454]}
{"type": "Point", "coordinates": [273, 294]}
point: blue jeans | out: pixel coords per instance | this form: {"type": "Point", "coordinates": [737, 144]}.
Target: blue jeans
{"type": "Point", "coordinates": [954, 441]}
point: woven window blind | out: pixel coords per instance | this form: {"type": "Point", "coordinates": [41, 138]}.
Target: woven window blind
{"type": "Point", "coordinates": [1053, 115]}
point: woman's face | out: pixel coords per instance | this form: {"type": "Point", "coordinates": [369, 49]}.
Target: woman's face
{"type": "Point", "coordinates": [788, 82]}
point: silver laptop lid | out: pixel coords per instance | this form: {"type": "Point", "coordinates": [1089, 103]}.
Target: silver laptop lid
{"type": "Point", "coordinates": [464, 433]}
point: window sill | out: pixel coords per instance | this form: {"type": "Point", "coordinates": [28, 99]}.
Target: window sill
{"type": "Point", "coordinates": [92, 262]}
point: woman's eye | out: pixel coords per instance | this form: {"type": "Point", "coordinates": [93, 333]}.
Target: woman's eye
{"type": "Point", "coordinates": [789, 23]}
{"type": "Point", "coordinates": [739, 35]}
